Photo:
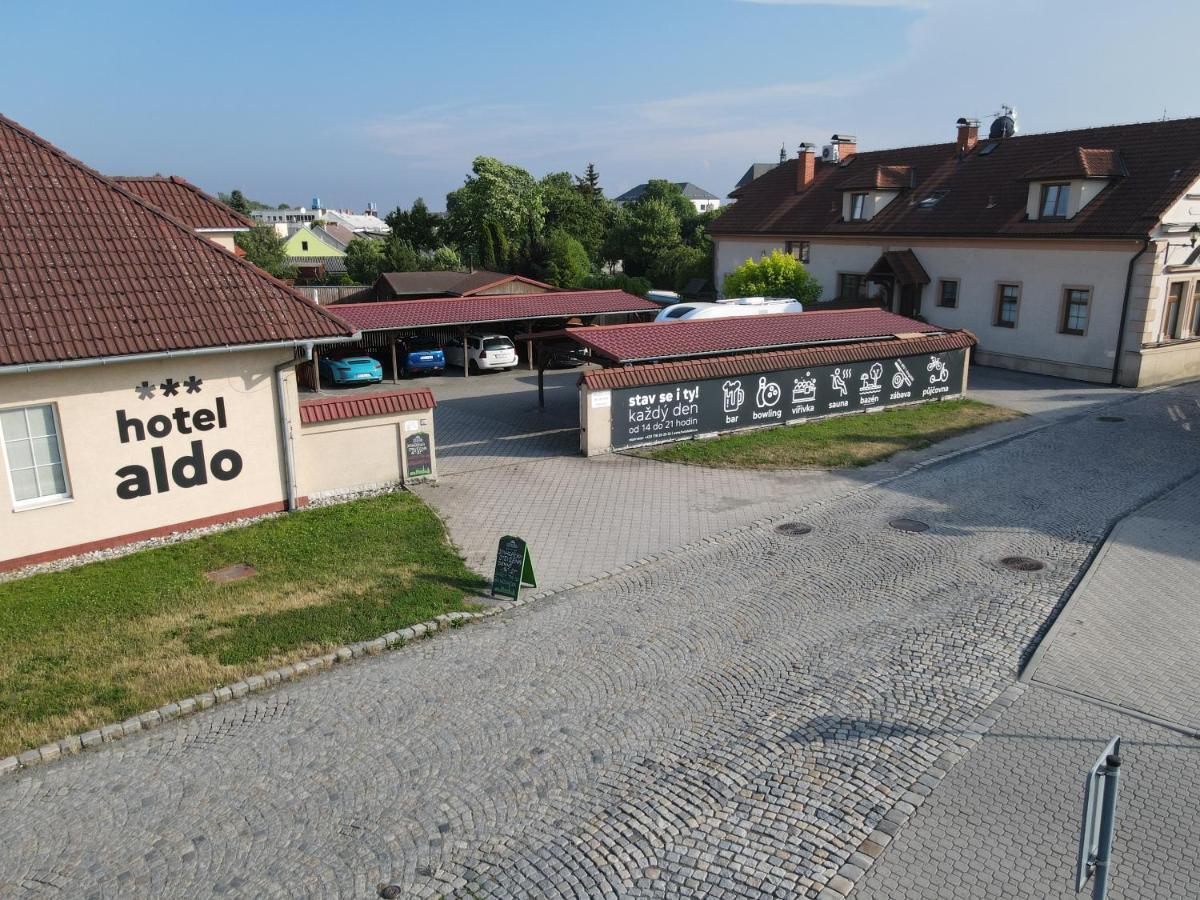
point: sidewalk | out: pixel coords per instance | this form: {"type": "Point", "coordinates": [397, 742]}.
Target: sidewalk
{"type": "Point", "coordinates": [1005, 821]}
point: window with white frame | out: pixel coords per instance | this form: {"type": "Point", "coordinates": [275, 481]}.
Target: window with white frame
{"type": "Point", "coordinates": [33, 454]}
{"type": "Point", "coordinates": [1008, 297]}
{"type": "Point", "coordinates": [1054, 200]}
{"type": "Point", "coordinates": [858, 207]}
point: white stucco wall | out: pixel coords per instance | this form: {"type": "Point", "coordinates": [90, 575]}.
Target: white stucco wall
{"type": "Point", "coordinates": [1043, 271]}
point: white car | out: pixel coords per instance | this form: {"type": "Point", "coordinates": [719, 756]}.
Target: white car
{"type": "Point", "coordinates": [484, 351]}
{"type": "Point", "coordinates": [734, 306]}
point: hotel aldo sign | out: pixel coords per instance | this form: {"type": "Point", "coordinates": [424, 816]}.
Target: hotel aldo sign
{"type": "Point", "coordinates": [648, 415]}
{"type": "Point", "coordinates": [144, 426]}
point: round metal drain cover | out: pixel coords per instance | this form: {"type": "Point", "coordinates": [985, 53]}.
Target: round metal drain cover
{"type": "Point", "coordinates": [793, 529]}
{"type": "Point", "coordinates": [1022, 564]}
{"type": "Point", "coordinates": [1110, 418]}
{"type": "Point", "coordinates": [912, 525]}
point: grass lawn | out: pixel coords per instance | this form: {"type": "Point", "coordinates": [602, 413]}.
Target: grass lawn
{"type": "Point", "coordinates": [104, 641]}
{"type": "Point", "coordinates": [856, 440]}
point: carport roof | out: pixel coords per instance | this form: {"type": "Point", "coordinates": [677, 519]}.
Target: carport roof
{"type": "Point", "coordinates": [652, 341]}
{"type": "Point", "coordinates": [389, 315]}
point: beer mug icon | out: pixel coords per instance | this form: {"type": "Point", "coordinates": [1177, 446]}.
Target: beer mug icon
{"type": "Point", "coordinates": [734, 396]}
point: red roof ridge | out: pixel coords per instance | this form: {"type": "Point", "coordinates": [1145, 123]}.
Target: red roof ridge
{"type": "Point", "coordinates": [501, 297]}
{"type": "Point", "coordinates": [330, 409]}
{"type": "Point", "coordinates": [195, 189]}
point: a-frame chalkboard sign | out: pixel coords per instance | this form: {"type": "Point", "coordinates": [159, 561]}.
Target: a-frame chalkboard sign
{"type": "Point", "coordinates": [514, 568]}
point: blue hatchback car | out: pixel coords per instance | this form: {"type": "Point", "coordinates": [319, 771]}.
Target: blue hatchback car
{"type": "Point", "coordinates": [352, 370]}
{"type": "Point", "coordinates": [420, 354]}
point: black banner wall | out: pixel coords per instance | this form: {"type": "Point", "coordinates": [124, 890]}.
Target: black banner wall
{"type": "Point", "coordinates": [667, 412]}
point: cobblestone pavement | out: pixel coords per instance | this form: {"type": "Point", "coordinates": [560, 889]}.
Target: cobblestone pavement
{"type": "Point", "coordinates": [1130, 633]}
{"type": "Point", "coordinates": [507, 467]}
{"type": "Point", "coordinates": [736, 719]}
{"type": "Point", "coordinates": [1004, 823]}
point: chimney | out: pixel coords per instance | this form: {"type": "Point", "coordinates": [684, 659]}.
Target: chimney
{"type": "Point", "coordinates": [968, 135]}
{"type": "Point", "coordinates": [806, 168]}
{"type": "Point", "coordinates": [847, 145]}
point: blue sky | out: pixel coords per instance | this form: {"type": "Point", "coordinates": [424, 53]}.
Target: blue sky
{"type": "Point", "coordinates": [374, 101]}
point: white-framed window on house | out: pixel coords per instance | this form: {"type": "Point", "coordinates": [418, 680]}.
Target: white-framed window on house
{"type": "Point", "coordinates": [1172, 323]}
{"type": "Point", "coordinates": [1008, 298]}
{"type": "Point", "coordinates": [858, 207]}
{"type": "Point", "coordinates": [33, 455]}
{"type": "Point", "coordinates": [1195, 329]}
{"type": "Point", "coordinates": [1076, 302]}
{"type": "Point", "coordinates": [1054, 201]}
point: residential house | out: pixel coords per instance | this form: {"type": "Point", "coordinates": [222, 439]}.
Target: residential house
{"type": "Point", "coordinates": [201, 212]}
{"type": "Point", "coordinates": [700, 198]}
{"type": "Point", "coordinates": [146, 375]}
{"type": "Point", "coordinates": [757, 170]}
{"type": "Point", "coordinates": [1070, 253]}
{"type": "Point", "coordinates": [357, 223]}
{"type": "Point", "coordinates": [477, 283]}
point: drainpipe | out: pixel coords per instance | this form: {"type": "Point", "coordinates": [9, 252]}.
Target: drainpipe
{"type": "Point", "coordinates": [285, 424]}
{"type": "Point", "coordinates": [1116, 372]}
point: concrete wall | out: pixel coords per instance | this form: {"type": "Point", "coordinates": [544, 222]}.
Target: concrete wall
{"type": "Point", "coordinates": [1042, 270]}
{"type": "Point", "coordinates": [237, 390]}
{"type": "Point", "coordinates": [359, 454]}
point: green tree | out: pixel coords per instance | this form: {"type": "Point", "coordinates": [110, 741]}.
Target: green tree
{"type": "Point", "coordinates": [566, 264]}
{"type": "Point", "coordinates": [443, 259]}
{"type": "Point", "coordinates": [582, 215]}
{"type": "Point", "coordinates": [498, 197]}
{"type": "Point", "coordinates": [777, 275]}
{"type": "Point", "coordinates": [265, 249]}
{"type": "Point", "coordinates": [589, 183]}
{"type": "Point", "coordinates": [399, 255]}
{"type": "Point", "coordinates": [650, 230]}
{"type": "Point", "coordinates": [670, 193]}
{"type": "Point", "coordinates": [677, 265]}
{"type": "Point", "coordinates": [620, 282]}
{"type": "Point", "coordinates": [365, 260]}
{"type": "Point", "coordinates": [237, 202]}
{"type": "Point", "coordinates": [417, 225]}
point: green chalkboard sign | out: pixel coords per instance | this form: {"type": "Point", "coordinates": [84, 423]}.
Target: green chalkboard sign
{"type": "Point", "coordinates": [514, 568]}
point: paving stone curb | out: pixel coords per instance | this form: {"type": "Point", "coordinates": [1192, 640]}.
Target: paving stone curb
{"type": "Point", "coordinates": [115, 731]}
{"type": "Point", "coordinates": [104, 734]}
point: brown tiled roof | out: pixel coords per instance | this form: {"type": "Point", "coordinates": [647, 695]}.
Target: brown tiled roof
{"type": "Point", "coordinates": [183, 200]}
{"type": "Point", "coordinates": [1153, 163]}
{"type": "Point", "coordinates": [880, 178]}
{"type": "Point", "coordinates": [452, 284]}
{"type": "Point", "coordinates": [331, 409]}
{"type": "Point", "coordinates": [750, 363]}
{"type": "Point", "coordinates": [710, 337]}
{"type": "Point", "coordinates": [1081, 163]}
{"type": "Point", "coordinates": [393, 314]}
{"type": "Point", "coordinates": [89, 269]}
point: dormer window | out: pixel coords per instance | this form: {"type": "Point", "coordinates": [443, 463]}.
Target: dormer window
{"type": "Point", "coordinates": [1054, 201]}
{"type": "Point", "coordinates": [858, 207]}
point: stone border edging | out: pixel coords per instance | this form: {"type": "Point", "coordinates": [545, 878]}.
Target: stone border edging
{"type": "Point", "coordinates": [114, 731]}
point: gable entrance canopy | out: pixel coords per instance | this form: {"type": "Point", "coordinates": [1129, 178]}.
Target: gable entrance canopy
{"type": "Point", "coordinates": [902, 265]}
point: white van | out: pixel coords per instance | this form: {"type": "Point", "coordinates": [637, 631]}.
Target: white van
{"type": "Point", "coordinates": [730, 308]}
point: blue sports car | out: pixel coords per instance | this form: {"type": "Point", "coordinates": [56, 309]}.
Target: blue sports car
{"type": "Point", "coordinates": [353, 370]}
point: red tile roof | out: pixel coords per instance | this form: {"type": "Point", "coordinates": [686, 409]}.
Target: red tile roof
{"type": "Point", "coordinates": [774, 361]}
{"type": "Point", "coordinates": [89, 269]}
{"type": "Point", "coordinates": [710, 337]}
{"type": "Point", "coordinates": [184, 201]}
{"type": "Point", "coordinates": [1152, 164]}
{"type": "Point", "coordinates": [1080, 163]}
{"type": "Point", "coordinates": [384, 404]}
{"type": "Point", "coordinates": [392, 314]}
{"type": "Point", "coordinates": [456, 284]}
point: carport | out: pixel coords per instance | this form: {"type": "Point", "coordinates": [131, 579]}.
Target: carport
{"type": "Point", "coordinates": [383, 322]}
{"type": "Point", "coordinates": [666, 381]}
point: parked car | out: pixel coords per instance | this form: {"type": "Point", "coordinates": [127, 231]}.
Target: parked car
{"type": "Point", "coordinates": [483, 351]}
{"type": "Point", "coordinates": [352, 370]}
{"type": "Point", "coordinates": [420, 354]}
{"type": "Point", "coordinates": [566, 356]}
{"type": "Point", "coordinates": [730, 308]}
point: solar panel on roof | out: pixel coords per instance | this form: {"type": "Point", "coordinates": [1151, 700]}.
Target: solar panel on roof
{"type": "Point", "coordinates": [932, 200]}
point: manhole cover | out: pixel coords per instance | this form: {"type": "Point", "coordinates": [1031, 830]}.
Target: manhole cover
{"type": "Point", "coordinates": [1022, 564]}
{"type": "Point", "coordinates": [1110, 418]}
{"type": "Point", "coordinates": [236, 572]}
{"type": "Point", "coordinates": [913, 525]}
{"type": "Point", "coordinates": [793, 529]}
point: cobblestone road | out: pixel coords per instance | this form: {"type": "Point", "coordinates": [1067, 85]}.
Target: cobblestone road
{"type": "Point", "coordinates": [736, 719]}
